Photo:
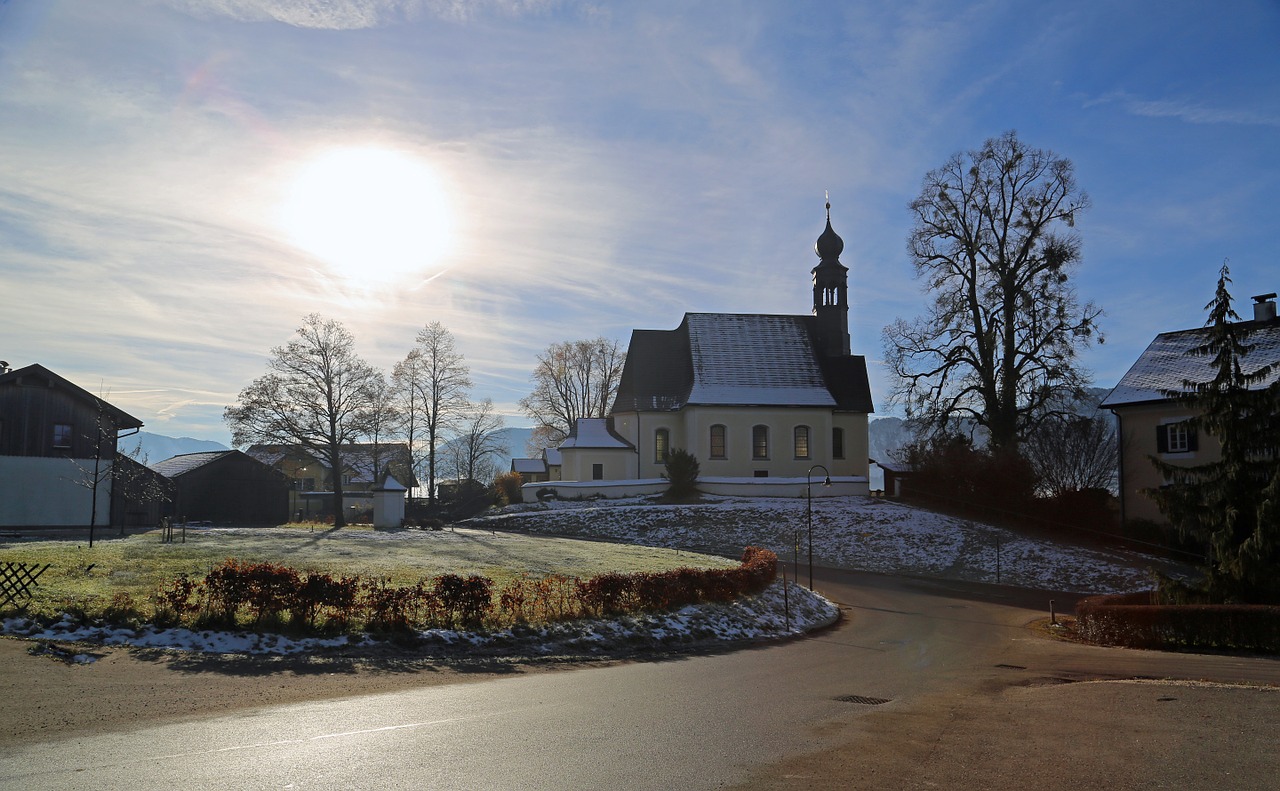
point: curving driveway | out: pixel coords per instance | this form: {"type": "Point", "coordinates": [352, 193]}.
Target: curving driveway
{"type": "Point", "coordinates": [922, 685]}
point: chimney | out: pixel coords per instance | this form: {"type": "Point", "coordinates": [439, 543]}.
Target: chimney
{"type": "Point", "coordinates": [1264, 307]}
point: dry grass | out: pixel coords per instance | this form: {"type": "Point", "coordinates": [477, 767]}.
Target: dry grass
{"type": "Point", "coordinates": [87, 580]}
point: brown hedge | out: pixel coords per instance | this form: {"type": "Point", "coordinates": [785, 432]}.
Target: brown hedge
{"type": "Point", "coordinates": [265, 592]}
{"type": "Point", "coordinates": [1129, 621]}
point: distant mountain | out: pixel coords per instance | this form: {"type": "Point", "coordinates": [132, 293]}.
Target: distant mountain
{"type": "Point", "coordinates": [885, 436]}
{"type": "Point", "coordinates": [157, 447]}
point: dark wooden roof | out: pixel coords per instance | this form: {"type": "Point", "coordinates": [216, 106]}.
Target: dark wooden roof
{"type": "Point", "coordinates": [39, 375]}
{"type": "Point", "coordinates": [728, 359]}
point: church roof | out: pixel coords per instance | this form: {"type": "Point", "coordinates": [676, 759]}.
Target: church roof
{"type": "Point", "coordinates": [728, 359]}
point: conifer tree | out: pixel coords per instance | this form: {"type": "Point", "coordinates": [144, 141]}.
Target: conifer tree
{"type": "Point", "coordinates": [1231, 505]}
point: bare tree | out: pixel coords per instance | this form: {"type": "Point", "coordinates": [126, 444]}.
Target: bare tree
{"type": "Point", "coordinates": [573, 379]}
{"type": "Point", "coordinates": [473, 451]}
{"type": "Point", "coordinates": [317, 393]}
{"type": "Point", "coordinates": [1074, 453]}
{"type": "Point", "coordinates": [384, 421]}
{"type": "Point", "coordinates": [432, 384]}
{"type": "Point", "coordinates": [993, 243]}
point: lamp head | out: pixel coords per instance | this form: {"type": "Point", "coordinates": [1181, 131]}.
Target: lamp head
{"type": "Point", "coordinates": [827, 481]}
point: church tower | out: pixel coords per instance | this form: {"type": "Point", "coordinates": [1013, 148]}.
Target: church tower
{"type": "Point", "coordinates": [831, 293]}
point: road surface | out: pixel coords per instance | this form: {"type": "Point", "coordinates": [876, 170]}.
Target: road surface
{"type": "Point", "coordinates": [922, 685]}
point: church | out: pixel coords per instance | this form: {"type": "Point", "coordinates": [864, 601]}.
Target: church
{"type": "Point", "coordinates": [751, 396]}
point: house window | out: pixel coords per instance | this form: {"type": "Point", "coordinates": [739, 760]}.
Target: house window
{"type": "Point", "coordinates": [717, 442]}
{"type": "Point", "coordinates": [597, 472]}
{"type": "Point", "coordinates": [661, 445]}
{"type": "Point", "coordinates": [837, 443]}
{"type": "Point", "coordinates": [802, 442]}
{"type": "Point", "coordinates": [61, 435]}
{"type": "Point", "coordinates": [1176, 438]}
{"type": "Point", "coordinates": [759, 442]}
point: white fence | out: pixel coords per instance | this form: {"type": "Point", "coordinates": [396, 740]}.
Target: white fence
{"type": "Point", "coordinates": [731, 487]}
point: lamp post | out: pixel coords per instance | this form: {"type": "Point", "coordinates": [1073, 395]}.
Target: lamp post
{"type": "Point", "coordinates": [808, 487]}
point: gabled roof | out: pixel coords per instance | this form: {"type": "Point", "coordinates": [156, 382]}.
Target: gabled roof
{"type": "Point", "coordinates": [1168, 362]}
{"type": "Point", "coordinates": [528, 466]}
{"type": "Point", "coordinates": [552, 457]}
{"type": "Point", "coordinates": [38, 374]}
{"type": "Point", "coordinates": [730, 359]}
{"type": "Point", "coordinates": [594, 432]}
{"type": "Point", "coordinates": [186, 462]}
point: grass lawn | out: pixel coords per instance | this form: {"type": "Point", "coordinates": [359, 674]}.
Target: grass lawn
{"type": "Point", "coordinates": [86, 580]}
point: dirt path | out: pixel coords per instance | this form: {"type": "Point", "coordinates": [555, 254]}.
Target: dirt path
{"type": "Point", "coordinates": [46, 697]}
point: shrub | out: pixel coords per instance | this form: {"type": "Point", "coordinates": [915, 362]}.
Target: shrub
{"type": "Point", "coordinates": [393, 609]}
{"type": "Point", "coordinates": [507, 485]}
{"type": "Point", "coordinates": [607, 594]}
{"type": "Point", "coordinates": [1129, 621]}
{"type": "Point", "coordinates": [682, 471]}
{"type": "Point", "coordinates": [462, 601]}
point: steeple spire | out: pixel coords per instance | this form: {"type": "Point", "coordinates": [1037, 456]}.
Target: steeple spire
{"type": "Point", "coordinates": [831, 291]}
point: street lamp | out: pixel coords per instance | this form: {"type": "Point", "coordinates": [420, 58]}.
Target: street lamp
{"type": "Point", "coordinates": [808, 487]}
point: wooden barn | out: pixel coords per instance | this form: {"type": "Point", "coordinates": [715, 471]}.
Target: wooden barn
{"type": "Point", "coordinates": [226, 487]}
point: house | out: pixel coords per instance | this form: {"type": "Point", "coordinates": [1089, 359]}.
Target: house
{"type": "Point", "coordinates": [57, 450]}
{"type": "Point", "coordinates": [226, 487]}
{"type": "Point", "coordinates": [751, 396]}
{"type": "Point", "coordinates": [1153, 425]}
{"type": "Point", "coordinates": [545, 468]}
{"type": "Point", "coordinates": [312, 477]}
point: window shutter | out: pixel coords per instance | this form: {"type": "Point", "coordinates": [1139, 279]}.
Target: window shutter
{"type": "Point", "coordinates": [1162, 439]}
{"type": "Point", "coordinates": [1192, 441]}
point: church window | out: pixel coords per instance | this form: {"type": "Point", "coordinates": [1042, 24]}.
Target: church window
{"type": "Point", "coordinates": [661, 445]}
{"type": "Point", "coordinates": [759, 442]}
{"type": "Point", "coordinates": [802, 442]}
{"type": "Point", "coordinates": [837, 443]}
{"type": "Point", "coordinates": [717, 442]}
{"type": "Point", "coordinates": [597, 472]}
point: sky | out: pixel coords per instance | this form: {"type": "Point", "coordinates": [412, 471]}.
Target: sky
{"type": "Point", "coordinates": [182, 181]}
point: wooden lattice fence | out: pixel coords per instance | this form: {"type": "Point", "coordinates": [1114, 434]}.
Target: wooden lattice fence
{"type": "Point", "coordinates": [17, 580]}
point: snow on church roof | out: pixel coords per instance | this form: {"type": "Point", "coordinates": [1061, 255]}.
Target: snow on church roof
{"type": "Point", "coordinates": [730, 359]}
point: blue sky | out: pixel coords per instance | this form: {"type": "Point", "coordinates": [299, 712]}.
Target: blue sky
{"type": "Point", "coordinates": [584, 169]}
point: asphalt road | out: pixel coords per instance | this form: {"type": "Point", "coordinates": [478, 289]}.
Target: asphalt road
{"type": "Point", "coordinates": [922, 685]}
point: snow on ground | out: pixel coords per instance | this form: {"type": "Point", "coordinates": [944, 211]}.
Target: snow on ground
{"type": "Point", "coordinates": [764, 616]}
{"type": "Point", "coordinates": [849, 532]}
{"type": "Point", "coordinates": [866, 533]}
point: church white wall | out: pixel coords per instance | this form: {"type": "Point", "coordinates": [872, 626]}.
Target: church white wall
{"type": "Point", "coordinates": [691, 429]}
{"type": "Point", "coordinates": [47, 492]}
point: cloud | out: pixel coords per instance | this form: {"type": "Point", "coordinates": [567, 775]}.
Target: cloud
{"type": "Point", "coordinates": [358, 14]}
{"type": "Point", "coordinates": [1185, 110]}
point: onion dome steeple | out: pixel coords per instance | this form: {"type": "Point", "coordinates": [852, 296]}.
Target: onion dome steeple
{"type": "Point", "coordinates": [829, 244]}
{"type": "Point", "coordinates": [831, 292]}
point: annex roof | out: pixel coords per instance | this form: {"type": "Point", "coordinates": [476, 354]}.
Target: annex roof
{"type": "Point", "coordinates": [730, 359]}
{"type": "Point", "coordinates": [1167, 363]}
{"type": "Point", "coordinates": [528, 466]}
{"type": "Point", "coordinates": [594, 432]}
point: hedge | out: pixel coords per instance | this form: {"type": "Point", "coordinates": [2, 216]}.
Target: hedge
{"type": "Point", "coordinates": [1132, 621]}
{"type": "Point", "coordinates": [274, 594]}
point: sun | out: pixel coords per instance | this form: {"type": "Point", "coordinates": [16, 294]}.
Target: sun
{"type": "Point", "coordinates": [373, 215]}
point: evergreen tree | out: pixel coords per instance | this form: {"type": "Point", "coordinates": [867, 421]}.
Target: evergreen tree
{"type": "Point", "coordinates": [1231, 505]}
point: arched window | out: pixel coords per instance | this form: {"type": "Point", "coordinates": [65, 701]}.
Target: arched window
{"type": "Point", "coordinates": [718, 450]}
{"type": "Point", "coordinates": [759, 442]}
{"type": "Point", "coordinates": [802, 442]}
{"type": "Point", "coordinates": [661, 445]}
{"type": "Point", "coordinates": [837, 443]}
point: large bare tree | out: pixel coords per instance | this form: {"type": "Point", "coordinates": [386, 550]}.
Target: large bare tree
{"type": "Point", "coordinates": [573, 379]}
{"type": "Point", "coordinates": [994, 243]}
{"type": "Point", "coordinates": [317, 393]}
{"type": "Point", "coordinates": [432, 382]}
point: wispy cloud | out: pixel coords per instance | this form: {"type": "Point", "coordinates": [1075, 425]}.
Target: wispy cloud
{"type": "Point", "coordinates": [1187, 110]}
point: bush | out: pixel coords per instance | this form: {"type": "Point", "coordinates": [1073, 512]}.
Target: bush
{"type": "Point", "coordinates": [1132, 622]}
{"type": "Point", "coordinates": [507, 485]}
{"type": "Point", "coordinates": [682, 471]}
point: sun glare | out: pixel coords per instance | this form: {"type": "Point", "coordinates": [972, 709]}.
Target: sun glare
{"type": "Point", "coordinates": [371, 214]}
